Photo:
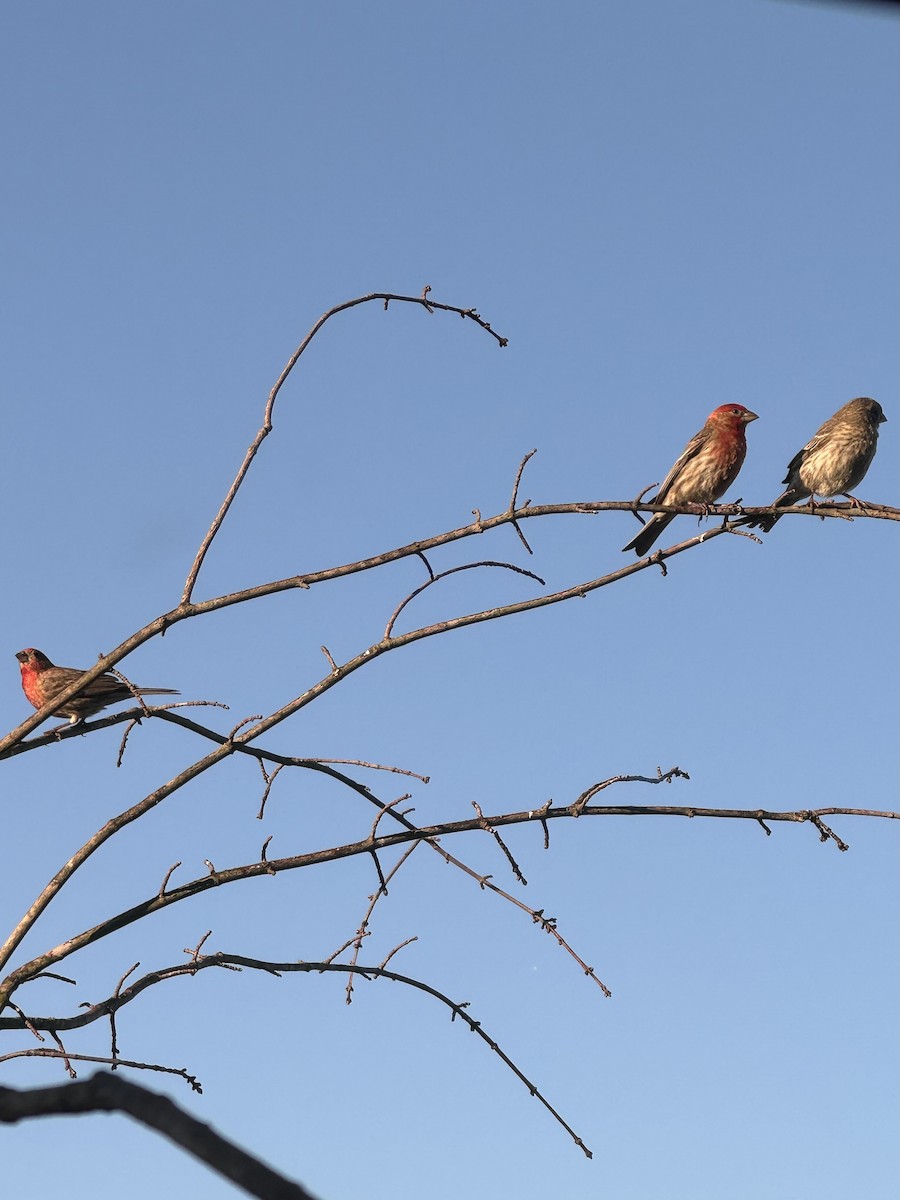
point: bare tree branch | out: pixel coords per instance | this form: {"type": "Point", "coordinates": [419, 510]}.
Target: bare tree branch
{"type": "Point", "coordinates": [267, 866]}
{"type": "Point", "coordinates": [110, 1093]}
{"type": "Point", "coordinates": [266, 428]}
{"type": "Point", "coordinates": [186, 611]}
{"type": "Point", "coordinates": [457, 1009]}
{"type": "Point", "coordinates": [430, 834]}
{"type": "Point", "coordinates": [443, 575]}
{"type": "Point", "coordinates": [101, 1092]}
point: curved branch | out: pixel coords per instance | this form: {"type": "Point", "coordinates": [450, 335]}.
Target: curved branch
{"type": "Point", "coordinates": [266, 428]}
{"type": "Point", "coordinates": [454, 571]}
{"type": "Point", "coordinates": [429, 834]}
{"type": "Point", "coordinates": [105, 1092]}
{"type": "Point", "coordinates": [458, 1009]}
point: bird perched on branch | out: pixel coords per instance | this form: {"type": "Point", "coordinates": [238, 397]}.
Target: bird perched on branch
{"type": "Point", "coordinates": [706, 469]}
{"type": "Point", "coordinates": [834, 461]}
{"type": "Point", "coordinates": [41, 681]}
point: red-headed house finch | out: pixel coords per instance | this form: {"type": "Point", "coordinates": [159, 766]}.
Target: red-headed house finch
{"type": "Point", "coordinates": [41, 681]}
{"type": "Point", "coordinates": [833, 462]}
{"type": "Point", "coordinates": [706, 469]}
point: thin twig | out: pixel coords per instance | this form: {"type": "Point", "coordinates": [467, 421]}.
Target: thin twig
{"type": "Point", "coordinates": [270, 779]}
{"type": "Point", "coordinates": [363, 930]}
{"type": "Point", "coordinates": [372, 766]}
{"type": "Point", "coordinates": [331, 662]}
{"type": "Point", "coordinates": [171, 871]}
{"type": "Point", "coordinates": [406, 942]}
{"type": "Point", "coordinates": [107, 1062]}
{"type": "Point", "coordinates": [266, 428]}
{"type": "Point", "coordinates": [62, 1054]}
{"type": "Point", "coordinates": [515, 498]}
{"type": "Point", "coordinates": [488, 828]}
{"type": "Point", "coordinates": [388, 633]}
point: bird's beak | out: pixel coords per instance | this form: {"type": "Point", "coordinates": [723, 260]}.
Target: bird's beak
{"type": "Point", "coordinates": [749, 416]}
{"type": "Point", "coordinates": [21, 656]}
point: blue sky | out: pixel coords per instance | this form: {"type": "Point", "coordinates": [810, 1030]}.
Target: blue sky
{"type": "Point", "coordinates": [663, 207]}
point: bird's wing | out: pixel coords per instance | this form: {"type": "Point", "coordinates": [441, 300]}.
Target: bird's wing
{"type": "Point", "coordinates": [691, 450]}
{"type": "Point", "coordinates": [793, 471]}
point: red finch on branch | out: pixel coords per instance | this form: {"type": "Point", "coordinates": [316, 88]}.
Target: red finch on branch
{"type": "Point", "coordinates": [706, 469]}
{"type": "Point", "coordinates": [41, 681]}
{"type": "Point", "coordinates": [834, 461]}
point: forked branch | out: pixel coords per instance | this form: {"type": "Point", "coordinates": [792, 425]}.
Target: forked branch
{"type": "Point", "coordinates": [266, 427]}
{"type": "Point", "coordinates": [457, 1008]}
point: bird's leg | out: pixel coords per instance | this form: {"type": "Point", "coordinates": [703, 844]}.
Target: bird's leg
{"type": "Point", "coordinates": [70, 724]}
{"type": "Point", "coordinates": [854, 503]}
{"type": "Point", "coordinates": [811, 505]}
